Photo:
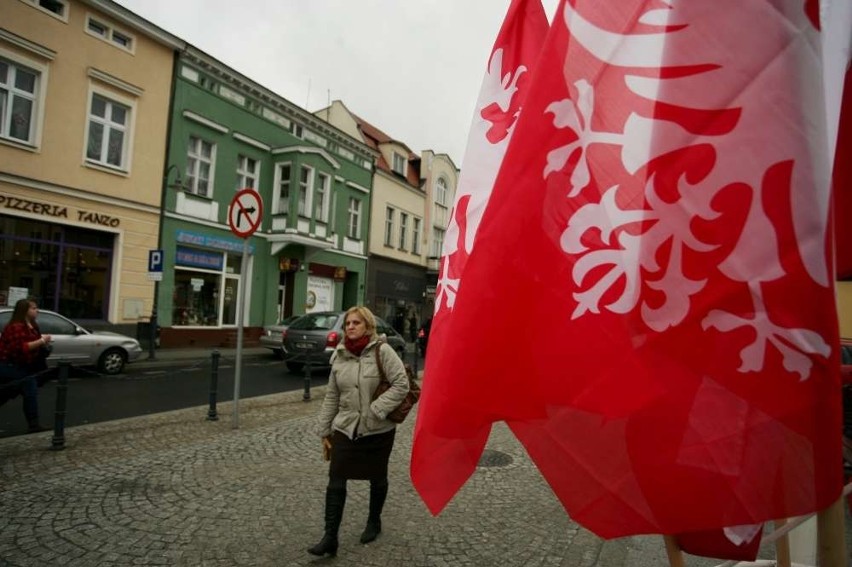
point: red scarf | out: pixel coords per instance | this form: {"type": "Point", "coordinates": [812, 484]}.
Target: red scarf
{"type": "Point", "coordinates": [356, 346]}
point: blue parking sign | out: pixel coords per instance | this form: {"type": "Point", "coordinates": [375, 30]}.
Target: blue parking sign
{"type": "Point", "coordinates": [155, 260]}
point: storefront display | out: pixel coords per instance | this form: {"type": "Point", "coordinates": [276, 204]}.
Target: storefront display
{"type": "Point", "coordinates": [65, 268]}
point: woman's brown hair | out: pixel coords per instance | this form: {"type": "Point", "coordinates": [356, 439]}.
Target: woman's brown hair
{"type": "Point", "coordinates": [19, 315]}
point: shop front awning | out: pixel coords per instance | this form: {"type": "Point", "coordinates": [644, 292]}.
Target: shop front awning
{"type": "Point", "coordinates": [279, 242]}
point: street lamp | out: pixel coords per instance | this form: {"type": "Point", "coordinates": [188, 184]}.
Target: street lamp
{"type": "Point", "coordinates": [178, 184]}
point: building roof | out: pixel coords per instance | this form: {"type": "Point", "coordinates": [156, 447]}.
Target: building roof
{"type": "Point", "coordinates": [375, 137]}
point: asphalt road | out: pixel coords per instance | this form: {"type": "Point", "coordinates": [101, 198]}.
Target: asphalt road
{"type": "Point", "coordinates": [144, 389]}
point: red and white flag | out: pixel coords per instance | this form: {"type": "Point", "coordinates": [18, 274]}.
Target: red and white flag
{"type": "Point", "coordinates": [649, 303]}
{"type": "Point", "coordinates": [503, 90]}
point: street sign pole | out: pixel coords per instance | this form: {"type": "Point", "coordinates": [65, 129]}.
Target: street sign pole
{"type": "Point", "coordinates": [241, 306]}
{"type": "Point", "coordinates": [245, 206]}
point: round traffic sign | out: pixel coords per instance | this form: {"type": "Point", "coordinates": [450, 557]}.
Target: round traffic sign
{"type": "Point", "coordinates": [245, 212]}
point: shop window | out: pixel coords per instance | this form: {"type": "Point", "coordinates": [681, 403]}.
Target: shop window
{"type": "Point", "coordinates": [206, 287]}
{"type": "Point", "coordinates": [66, 269]}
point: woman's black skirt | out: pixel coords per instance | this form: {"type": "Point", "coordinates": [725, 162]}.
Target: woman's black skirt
{"type": "Point", "coordinates": [365, 458]}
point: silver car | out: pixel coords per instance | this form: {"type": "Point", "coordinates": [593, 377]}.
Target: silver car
{"type": "Point", "coordinates": [71, 342]}
{"type": "Point", "coordinates": [273, 334]}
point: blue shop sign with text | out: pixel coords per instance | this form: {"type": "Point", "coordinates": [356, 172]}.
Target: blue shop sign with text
{"type": "Point", "coordinates": [192, 258]}
{"type": "Point", "coordinates": [210, 241]}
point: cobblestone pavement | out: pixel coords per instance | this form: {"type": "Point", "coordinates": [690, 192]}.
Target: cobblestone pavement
{"type": "Point", "coordinates": [174, 489]}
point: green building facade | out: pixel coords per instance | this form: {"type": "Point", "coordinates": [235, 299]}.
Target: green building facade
{"type": "Point", "coordinates": [310, 251]}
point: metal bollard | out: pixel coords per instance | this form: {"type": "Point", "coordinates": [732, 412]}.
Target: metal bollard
{"type": "Point", "coordinates": [212, 415]}
{"type": "Point", "coordinates": [306, 397]}
{"type": "Point", "coordinates": [57, 443]}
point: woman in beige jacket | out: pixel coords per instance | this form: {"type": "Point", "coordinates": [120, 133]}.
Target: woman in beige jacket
{"type": "Point", "coordinates": [354, 426]}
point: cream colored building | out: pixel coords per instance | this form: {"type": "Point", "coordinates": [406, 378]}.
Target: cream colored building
{"type": "Point", "coordinates": [409, 213]}
{"type": "Point", "coordinates": [84, 105]}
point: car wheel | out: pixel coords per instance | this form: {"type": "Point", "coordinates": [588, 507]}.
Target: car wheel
{"type": "Point", "coordinates": [112, 361]}
{"type": "Point", "coordinates": [295, 367]}
{"type": "Point", "coordinates": [279, 353]}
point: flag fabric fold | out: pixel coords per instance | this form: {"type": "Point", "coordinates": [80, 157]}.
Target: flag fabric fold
{"type": "Point", "coordinates": [506, 83]}
{"type": "Point", "coordinates": [648, 301]}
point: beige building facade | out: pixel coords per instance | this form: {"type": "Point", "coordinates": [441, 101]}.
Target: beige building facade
{"type": "Point", "coordinates": [410, 210]}
{"type": "Point", "coordinates": [84, 104]}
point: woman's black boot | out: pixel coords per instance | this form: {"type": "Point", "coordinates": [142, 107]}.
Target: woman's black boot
{"type": "Point", "coordinates": [378, 494]}
{"type": "Point", "coordinates": [335, 499]}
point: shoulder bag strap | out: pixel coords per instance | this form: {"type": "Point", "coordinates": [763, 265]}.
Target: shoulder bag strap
{"type": "Point", "coordinates": [382, 374]}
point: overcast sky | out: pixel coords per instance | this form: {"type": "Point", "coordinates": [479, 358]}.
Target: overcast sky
{"type": "Point", "coordinates": [412, 69]}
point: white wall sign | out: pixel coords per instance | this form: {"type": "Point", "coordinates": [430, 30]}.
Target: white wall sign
{"type": "Point", "coordinates": [320, 294]}
{"type": "Point", "coordinates": [17, 293]}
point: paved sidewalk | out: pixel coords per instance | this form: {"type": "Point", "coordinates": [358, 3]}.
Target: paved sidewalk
{"type": "Point", "coordinates": [174, 489]}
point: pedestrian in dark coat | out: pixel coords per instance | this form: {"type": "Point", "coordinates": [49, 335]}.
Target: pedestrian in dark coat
{"type": "Point", "coordinates": [23, 350]}
{"type": "Point", "coordinates": [353, 426]}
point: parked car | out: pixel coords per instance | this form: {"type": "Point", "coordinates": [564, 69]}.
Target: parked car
{"type": "Point", "coordinates": [71, 342]}
{"type": "Point", "coordinates": [316, 335]}
{"type": "Point", "coordinates": [273, 335]}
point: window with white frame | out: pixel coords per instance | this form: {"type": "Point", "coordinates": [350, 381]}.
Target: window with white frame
{"type": "Point", "coordinates": [18, 101]}
{"type": "Point", "coordinates": [415, 235]}
{"type": "Point", "coordinates": [399, 163]}
{"type": "Point", "coordinates": [354, 222]}
{"type": "Point", "coordinates": [403, 231]}
{"type": "Point", "coordinates": [108, 33]}
{"type": "Point", "coordinates": [441, 191]}
{"type": "Point", "coordinates": [199, 165]}
{"type": "Point", "coordinates": [306, 175]}
{"type": "Point", "coordinates": [389, 218]}
{"type": "Point", "coordinates": [248, 172]}
{"type": "Point", "coordinates": [437, 242]}
{"type": "Point", "coordinates": [108, 135]}
{"type": "Point", "coordinates": [56, 8]}
{"type": "Point", "coordinates": [321, 197]}
{"type": "Point", "coordinates": [282, 202]}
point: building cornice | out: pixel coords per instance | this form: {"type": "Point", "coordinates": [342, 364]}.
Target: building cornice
{"type": "Point", "coordinates": [139, 24]}
{"type": "Point", "coordinates": [276, 102]}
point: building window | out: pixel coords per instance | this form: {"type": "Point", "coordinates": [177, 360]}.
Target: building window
{"type": "Point", "coordinates": [18, 103]}
{"type": "Point", "coordinates": [206, 287]}
{"type": "Point", "coordinates": [306, 174]}
{"type": "Point", "coordinates": [282, 194]}
{"type": "Point", "coordinates": [56, 8]}
{"type": "Point", "coordinates": [415, 235]}
{"type": "Point", "coordinates": [441, 191]}
{"type": "Point", "coordinates": [403, 230]}
{"type": "Point", "coordinates": [199, 164]}
{"type": "Point", "coordinates": [321, 197]}
{"type": "Point", "coordinates": [354, 224]}
{"type": "Point", "coordinates": [104, 31]}
{"type": "Point", "coordinates": [437, 242]}
{"type": "Point", "coordinates": [108, 133]}
{"type": "Point", "coordinates": [248, 171]}
{"type": "Point", "coordinates": [399, 163]}
{"type": "Point", "coordinates": [389, 214]}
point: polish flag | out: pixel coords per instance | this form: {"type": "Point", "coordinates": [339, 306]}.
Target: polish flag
{"type": "Point", "coordinates": [501, 97]}
{"type": "Point", "coordinates": [649, 303]}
